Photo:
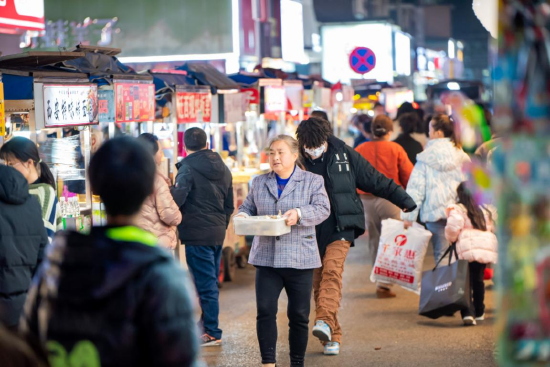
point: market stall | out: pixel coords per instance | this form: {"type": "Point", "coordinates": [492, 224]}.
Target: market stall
{"type": "Point", "coordinates": [46, 105]}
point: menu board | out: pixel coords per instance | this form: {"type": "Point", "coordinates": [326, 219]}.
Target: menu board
{"type": "Point", "coordinates": [275, 99]}
{"type": "Point", "coordinates": [193, 107]}
{"type": "Point", "coordinates": [69, 105]}
{"type": "Point", "coordinates": [134, 102]}
{"type": "Point", "coordinates": [234, 107]}
{"type": "Point", "coordinates": [106, 105]}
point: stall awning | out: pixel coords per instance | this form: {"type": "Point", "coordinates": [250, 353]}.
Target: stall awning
{"type": "Point", "coordinates": [168, 79]}
{"type": "Point", "coordinates": [207, 74]}
{"type": "Point", "coordinates": [36, 59]}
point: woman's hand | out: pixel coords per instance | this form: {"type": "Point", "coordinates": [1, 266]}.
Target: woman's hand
{"type": "Point", "coordinates": [407, 224]}
{"type": "Point", "coordinates": [241, 215]}
{"type": "Point", "coordinates": [291, 217]}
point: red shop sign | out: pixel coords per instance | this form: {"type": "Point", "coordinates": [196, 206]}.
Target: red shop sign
{"type": "Point", "coordinates": [22, 14]}
{"type": "Point", "coordinates": [252, 95]}
{"type": "Point", "coordinates": [134, 102]}
{"type": "Point", "coordinates": [191, 106]}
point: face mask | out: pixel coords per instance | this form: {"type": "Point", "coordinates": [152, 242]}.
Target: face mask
{"type": "Point", "coordinates": [316, 152]}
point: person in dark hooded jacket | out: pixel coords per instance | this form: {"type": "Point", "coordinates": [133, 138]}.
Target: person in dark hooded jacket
{"type": "Point", "coordinates": [204, 194]}
{"type": "Point", "coordinates": [114, 297]}
{"type": "Point", "coordinates": [22, 241]}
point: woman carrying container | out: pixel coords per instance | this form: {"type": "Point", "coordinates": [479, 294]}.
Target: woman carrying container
{"type": "Point", "coordinates": [286, 261]}
{"type": "Point", "coordinates": [22, 154]}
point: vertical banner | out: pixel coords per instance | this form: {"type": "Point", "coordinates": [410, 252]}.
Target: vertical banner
{"type": "Point", "coordinates": [275, 99]}
{"type": "Point", "coordinates": [134, 102]}
{"type": "Point", "coordinates": [233, 107]}
{"type": "Point", "coordinates": [106, 105]}
{"type": "Point", "coordinates": [193, 107]}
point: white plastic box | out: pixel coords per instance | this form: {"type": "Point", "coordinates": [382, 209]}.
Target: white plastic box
{"type": "Point", "coordinates": [260, 226]}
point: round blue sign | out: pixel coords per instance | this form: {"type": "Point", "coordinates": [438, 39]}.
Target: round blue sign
{"type": "Point", "coordinates": [362, 60]}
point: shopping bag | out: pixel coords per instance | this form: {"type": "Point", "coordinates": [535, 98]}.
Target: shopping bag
{"type": "Point", "coordinates": [401, 254]}
{"type": "Point", "coordinates": [445, 289]}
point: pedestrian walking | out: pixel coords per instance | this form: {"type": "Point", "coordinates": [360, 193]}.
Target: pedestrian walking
{"type": "Point", "coordinates": [22, 154]}
{"type": "Point", "coordinates": [409, 124]}
{"type": "Point", "coordinates": [391, 160]}
{"type": "Point", "coordinates": [22, 242]}
{"type": "Point", "coordinates": [433, 182]}
{"type": "Point", "coordinates": [472, 227]}
{"type": "Point", "coordinates": [344, 171]}
{"type": "Point", "coordinates": [363, 124]}
{"type": "Point", "coordinates": [204, 194]}
{"type": "Point", "coordinates": [114, 297]}
{"type": "Point", "coordinates": [159, 214]}
{"type": "Point", "coordinates": [287, 261]}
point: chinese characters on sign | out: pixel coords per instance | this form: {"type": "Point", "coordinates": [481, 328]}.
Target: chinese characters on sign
{"type": "Point", "coordinates": [134, 102]}
{"type": "Point", "coordinates": [106, 105]}
{"type": "Point", "coordinates": [70, 105]}
{"type": "Point", "coordinates": [193, 107]}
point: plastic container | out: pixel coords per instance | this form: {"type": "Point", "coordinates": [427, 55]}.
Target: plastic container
{"type": "Point", "coordinates": [260, 226]}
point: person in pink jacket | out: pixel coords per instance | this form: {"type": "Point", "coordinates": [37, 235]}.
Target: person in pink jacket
{"type": "Point", "coordinates": [472, 228]}
{"type": "Point", "coordinates": [159, 214]}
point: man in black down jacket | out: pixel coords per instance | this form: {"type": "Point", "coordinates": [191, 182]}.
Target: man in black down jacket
{"type": "Point", "coordinates": [344, 171]}
{"type": "Point", "coordinates": [114, 297]}
{"type": "Point", "coordinates": [204, 194]}
{"type": "Point", "coordinates": [22, 241]}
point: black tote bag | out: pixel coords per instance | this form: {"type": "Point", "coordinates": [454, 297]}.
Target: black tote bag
{"type": "Point", "coordinates": [445, 290]}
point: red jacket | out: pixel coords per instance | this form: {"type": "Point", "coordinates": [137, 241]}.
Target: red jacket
{"type": "Point", "coordinates": [388, 158]}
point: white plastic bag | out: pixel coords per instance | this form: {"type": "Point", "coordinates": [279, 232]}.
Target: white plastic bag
{"type": "Point", "coordinates": [401, 254]}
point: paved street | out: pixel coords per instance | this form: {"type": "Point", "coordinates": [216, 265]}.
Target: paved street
{"type": "Point", "coordinates": [404, 338]}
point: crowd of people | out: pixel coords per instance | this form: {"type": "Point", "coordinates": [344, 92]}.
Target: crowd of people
{"type": "Point", "coordinates": [117, 297]}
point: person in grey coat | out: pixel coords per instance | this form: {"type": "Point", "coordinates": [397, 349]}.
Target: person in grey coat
{"type": "Point", "coordinates": [286, 261]}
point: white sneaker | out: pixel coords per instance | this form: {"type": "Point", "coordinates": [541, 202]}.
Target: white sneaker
{"type": "Point", "coordinates": [322, 331]}
{"type": "Point", "coordinates": [332, 349]}
{"type": "Point", "coordinates": [469, 321]}
{"type": "Point", "coordinates": [480, 318]}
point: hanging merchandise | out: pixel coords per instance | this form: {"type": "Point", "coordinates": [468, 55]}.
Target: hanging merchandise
{"type": "Point", "coordinates": [521, 166]}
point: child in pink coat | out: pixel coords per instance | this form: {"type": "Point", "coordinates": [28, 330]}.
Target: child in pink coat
{"type": "Point", "coordinates": [471, 226]}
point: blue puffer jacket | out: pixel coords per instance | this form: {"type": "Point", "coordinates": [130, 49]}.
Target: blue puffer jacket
{"type": "Point", "coordinates": [112, 298]}
{"type": "Point", "coordinates": [22, 241]}
{"type": "Point", "coordinates": [434, 179]}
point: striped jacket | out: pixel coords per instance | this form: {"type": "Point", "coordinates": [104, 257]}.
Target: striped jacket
{"type": "Point", "coordinates": [297, 249]}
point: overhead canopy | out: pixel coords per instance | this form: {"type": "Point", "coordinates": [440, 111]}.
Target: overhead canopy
{"type": "Point", "coordinates": [36, 59]}
{"type": "Point", "coordinates": [170, 79]}
{"type": "Point", "coordinates": [207, 74]}
{"type": "Point", "coordinates": [101, 67]}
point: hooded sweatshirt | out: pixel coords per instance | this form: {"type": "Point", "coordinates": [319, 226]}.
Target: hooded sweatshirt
{"type": "Point", "coordinates": [22, 241]}
{"type": "Point", "coordinates": [434, 179]}
{"type": "Point", "coordinates": [204, 194]}
{"type": "Point", "coordinates": [112, 298]}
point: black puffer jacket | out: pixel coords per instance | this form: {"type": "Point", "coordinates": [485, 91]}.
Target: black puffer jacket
{"type": "Point", "coordinates": [349, 171]}
{"type": "Point", "coordinates": [204, 194]}
{"type": "Point", "coordinates": [22, 241]}
{"type": "Point", "coordinates": [112, 296]}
